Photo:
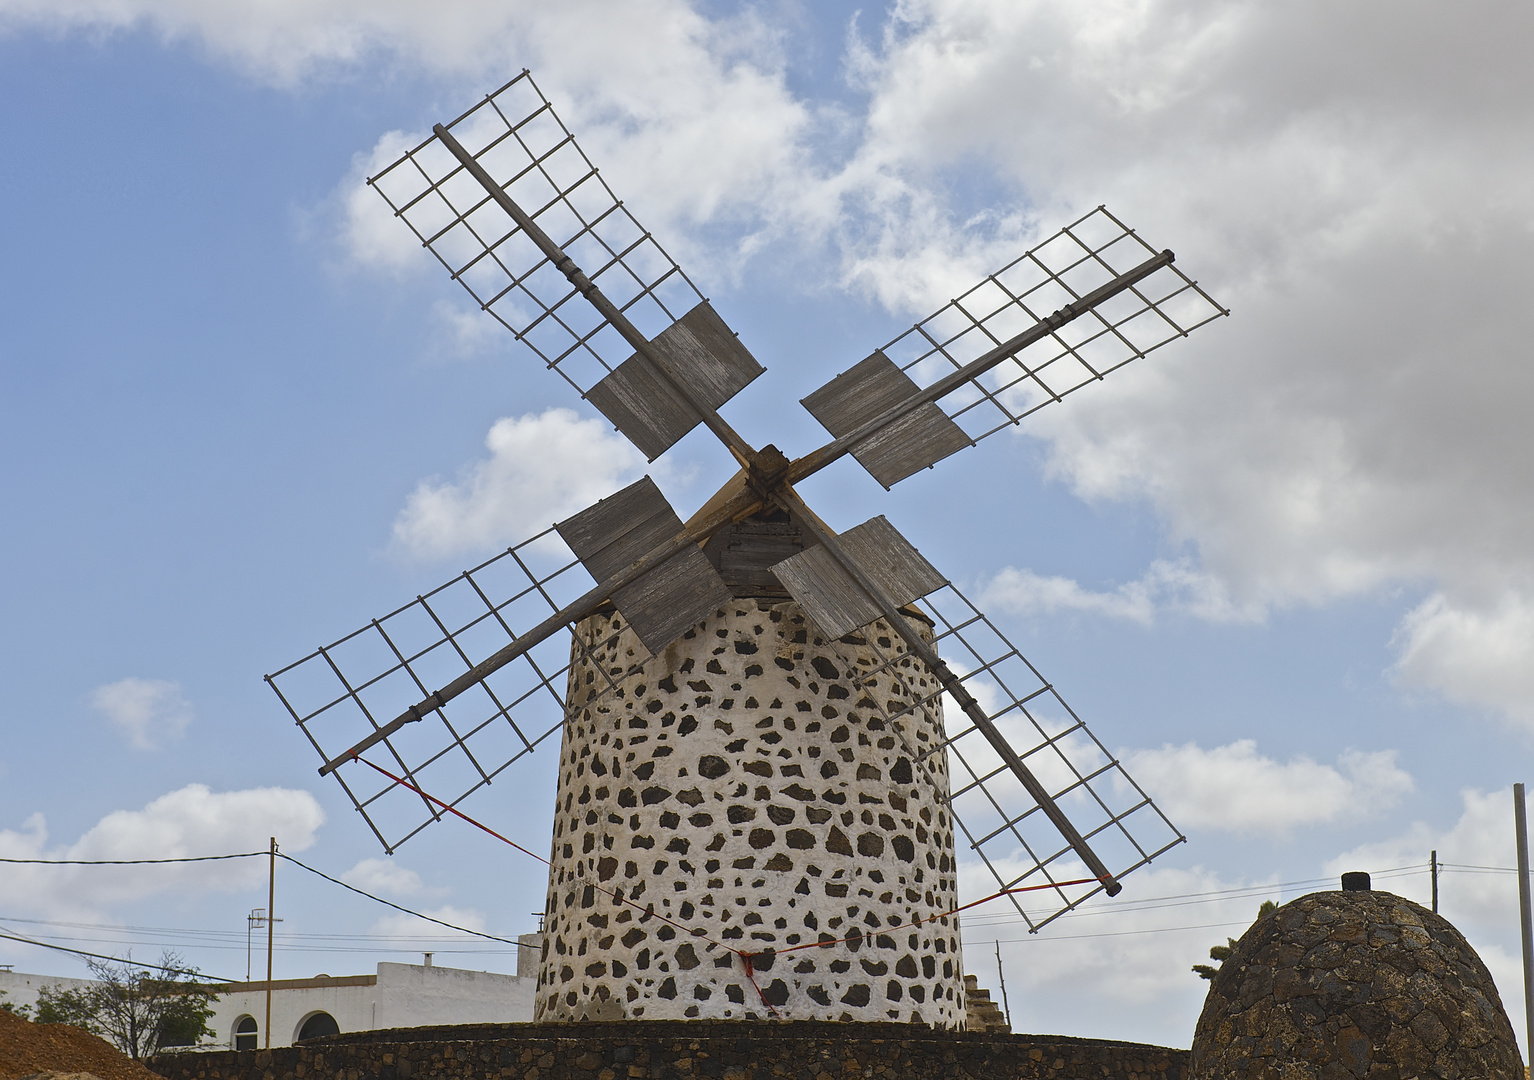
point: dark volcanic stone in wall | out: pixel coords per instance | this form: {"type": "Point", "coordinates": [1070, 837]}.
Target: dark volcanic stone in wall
{"type": "Point", "coordinates": [1353, 986]}
{"type": "Point", "coordinates": [674, 1050]}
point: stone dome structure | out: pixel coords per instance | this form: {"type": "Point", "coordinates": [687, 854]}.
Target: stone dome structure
{"type": "Point", "coordinates": [1353, 985]}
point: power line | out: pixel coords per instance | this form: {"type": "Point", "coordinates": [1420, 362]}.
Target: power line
{"type": "Point", "coordinates": [247, 855]}
{"type": "Point", "coordinates": [397, 907]}
{"type": "Point", "coordinates": [132, 862]}
{"type": "Point", "coordinates": [116, 960]}
{"type": "Point", "coordinates": [1122, 933]}
{"type": "Point", "coordinates": [1176, 900]}
{"type": "Point", "coordinates": [231, 936]}
{"type": "Point", "coordinates": [436, 944]}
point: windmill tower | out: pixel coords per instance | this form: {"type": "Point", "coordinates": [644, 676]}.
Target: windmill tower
{"type": "Point", "coordinates": [760, 803]}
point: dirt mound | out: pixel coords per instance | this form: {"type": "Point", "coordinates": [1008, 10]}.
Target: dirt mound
{"type": "Point", "coordinates": [27, 1048]}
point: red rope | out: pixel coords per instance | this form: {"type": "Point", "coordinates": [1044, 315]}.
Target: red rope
{"type": "Point", "coordinates": [451, 810]}
{"type": "Point", "coordinates": [746, 958]}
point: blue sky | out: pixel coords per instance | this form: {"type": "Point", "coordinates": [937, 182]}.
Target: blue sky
{"type": "Point", "coordinates": [1282, 567]}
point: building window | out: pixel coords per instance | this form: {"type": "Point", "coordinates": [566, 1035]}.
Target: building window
{"type": "Point", "coordinates": [245, 1033]}
{"type": "Point", "coordinates": [318, 1025]}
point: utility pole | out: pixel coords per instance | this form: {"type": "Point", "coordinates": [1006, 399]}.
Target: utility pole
{"type": "Point", "coordinates": [1433, 863]}
{"type": "Point", "coordinates": [1521, 830]}
{"type": "Point", "coordinates": [271, 911]}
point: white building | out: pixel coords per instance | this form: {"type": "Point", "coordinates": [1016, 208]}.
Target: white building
{"type": "Point", "coordinates": [399, 995]}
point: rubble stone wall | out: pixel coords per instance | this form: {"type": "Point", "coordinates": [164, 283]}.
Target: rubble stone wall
{"type": "Point", "coordinates": [668, 1050]}
{"type": "Point", "coordinates": [745, 788]}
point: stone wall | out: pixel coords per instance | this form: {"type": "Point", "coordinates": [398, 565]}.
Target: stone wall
{"type": "Point", "coordinates": [671, 1050]}
{"type": "Point", "coordinates": [744, 788]}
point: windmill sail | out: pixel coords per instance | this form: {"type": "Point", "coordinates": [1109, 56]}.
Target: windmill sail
{"type": "Point", "coordinates": [833, 601]}
{"type": "Point", "coordinates": [622, 528]}
{"type": "Point", "coordinates": [1084, 256]}
{"type": "Point", "coordinates": [524, 150]}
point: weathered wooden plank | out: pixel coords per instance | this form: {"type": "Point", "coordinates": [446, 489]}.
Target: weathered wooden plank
{"type": "Point", "coordinates": [704, 352]}
{"type": "Point", "coordinates": [833, 600]}
{"type": "Point", "coordinates": [665, 603]}
{"type": "Point", "coordinates": [615, 531]}
{"type": "Point", "coordinates": [611, 535]}
{"type": "Point", "coordinates": [890, 560]}
{"type": "Point", "coordinates": [866, 390]}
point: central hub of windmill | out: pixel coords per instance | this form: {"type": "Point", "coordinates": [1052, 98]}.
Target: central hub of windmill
{"type": "Point", "coordinates": [744, 788]}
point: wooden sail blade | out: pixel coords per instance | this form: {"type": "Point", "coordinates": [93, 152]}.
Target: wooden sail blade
{"type": "Point", "coordinates": [618, 530]}
{"type": "Point", "coordinates": [833, 600]}
{"type": "Point", "coordinates": [704, 353]}
{"type": "Point", "coordinates": [907, 445]}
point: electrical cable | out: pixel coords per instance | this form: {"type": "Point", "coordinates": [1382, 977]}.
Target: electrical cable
{"type": "Point", "coordinates": [1122, 933]}
{"type": "Point", "coordinates": [295, 938]}
{"type": "Point", "coordinates": [117, 960]}
{"type": "Point", "coordinates": [133, 862]}
{"type": "Point", "coordinates": [397, 907]}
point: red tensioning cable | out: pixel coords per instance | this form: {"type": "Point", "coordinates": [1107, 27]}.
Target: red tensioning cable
{"type": "Point", "coordinates": [451, 810]}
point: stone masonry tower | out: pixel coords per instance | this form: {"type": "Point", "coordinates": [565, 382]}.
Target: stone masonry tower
{"type": "Point", "coordinates": [743, 785]}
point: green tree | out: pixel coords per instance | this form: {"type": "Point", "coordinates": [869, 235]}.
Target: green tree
{"type": "Point", "coordinates": [141, 1010]}
{"type": "Point", "coordinates": [71, 1007]}
{"type": "Point", "coordinates": [23, 1011]}
{"type": "Point", "coordinates": [1222, 952]}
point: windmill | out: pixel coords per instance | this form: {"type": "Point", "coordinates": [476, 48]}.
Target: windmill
{"type": "Point", "coordinates": [695, 670]}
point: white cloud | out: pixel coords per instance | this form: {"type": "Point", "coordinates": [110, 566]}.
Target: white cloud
{"type": "Point", "coordinates": [542, 468]}
{"type": "Point", "coordinates": [408, 926]}
{"type": "Point", "coordinates": [1234, 788]}
{"type": "Point", "coordinates": [386, 876]}
{"type": "Point", "coordinates": [1480, 655]}
{"type": "Point", "coordinates": [371, 235]}
{"type": "Point", "coordinates": [191, 821]}
{"type": "Point", "coordinates": [150, 712]}
{"type": "Point", "coordinates": [1167, 585]}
